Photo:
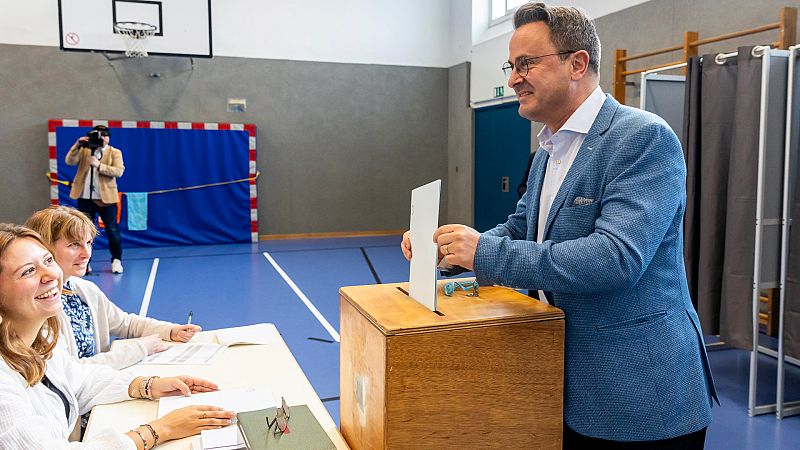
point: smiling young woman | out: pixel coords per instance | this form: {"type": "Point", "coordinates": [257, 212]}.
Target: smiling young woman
{"type": "Point", "coordinates": [28, 272]}
{"type": "Point", "coordinates": [43, 391]}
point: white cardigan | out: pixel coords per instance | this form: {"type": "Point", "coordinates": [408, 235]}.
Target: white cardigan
{"type": "Point", "coordinates": [33, 417]}
{"type": "Point", "coordinates": [109, 320]}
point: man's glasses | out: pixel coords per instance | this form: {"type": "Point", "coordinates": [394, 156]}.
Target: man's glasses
{"type": "Point", "coordinates": [524, 64]}
{"type": "Point", "coordinates": [281, 420]}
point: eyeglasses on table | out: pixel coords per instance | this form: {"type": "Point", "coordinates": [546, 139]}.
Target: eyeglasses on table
{"type": "Point", "coordinates": [281, 420]}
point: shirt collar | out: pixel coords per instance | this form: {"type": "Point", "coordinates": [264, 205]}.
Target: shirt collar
{"type": "Point", "coordinates": [579, 122]}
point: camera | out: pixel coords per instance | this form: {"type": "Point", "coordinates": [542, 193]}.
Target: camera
{"type": "Point", "coordinates": [95, 136]}
{"type": "Point", "coordinates": [95, 140]}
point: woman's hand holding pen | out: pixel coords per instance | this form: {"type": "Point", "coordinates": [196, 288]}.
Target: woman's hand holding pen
{"type": "Point", "coordinates": [183, 333]}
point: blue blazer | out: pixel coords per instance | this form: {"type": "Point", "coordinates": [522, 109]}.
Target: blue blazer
{"type": "Point", "coordinates": [612, 259]}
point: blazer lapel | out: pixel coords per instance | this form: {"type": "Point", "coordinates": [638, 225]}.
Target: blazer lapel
{"type": "Point", "coordinates": [600, 125]}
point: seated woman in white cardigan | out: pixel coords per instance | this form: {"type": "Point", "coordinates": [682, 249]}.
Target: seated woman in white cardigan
{"type": "Point", "coordinates": [43, 390]}
{"type": "Point", "coordinates": [89, 318]}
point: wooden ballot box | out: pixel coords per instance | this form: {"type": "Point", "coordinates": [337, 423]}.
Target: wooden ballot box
{"type": "Point", "coordinates": [482, 372]}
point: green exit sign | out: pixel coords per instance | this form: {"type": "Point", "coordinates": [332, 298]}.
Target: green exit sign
{"type": "Point", "coordinates": [498, 91]}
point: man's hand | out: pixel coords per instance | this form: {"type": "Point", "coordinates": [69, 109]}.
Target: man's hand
{"type": "Point", "coordinates": [457, 243]}
{"type": "Point", "coordinates": [405, 246]}
{"type": "Point", "coordinates": [94, 162]}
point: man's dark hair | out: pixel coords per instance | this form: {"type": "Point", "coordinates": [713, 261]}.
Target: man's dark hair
{"type": "Point", "coordinates": [570, 29]}
{"type": "Point", "coordinates": [102, 129]}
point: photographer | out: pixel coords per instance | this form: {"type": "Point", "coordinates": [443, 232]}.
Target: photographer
{"type": "Point", "coordinates": [95, 184]}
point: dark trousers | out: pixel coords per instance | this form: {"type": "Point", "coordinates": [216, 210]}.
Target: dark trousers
{"type": "Point", "coordinates": [109, 216]}
{"type": "Point", "coordinates": [576, 441]}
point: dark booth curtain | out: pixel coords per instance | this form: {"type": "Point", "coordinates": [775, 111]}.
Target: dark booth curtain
{"type": "Point", "coordinates": [791, 316]}
{"type": "Point", "coordinates": [708, 136]}
{"type": "Point", "coordinates": [721, 147]}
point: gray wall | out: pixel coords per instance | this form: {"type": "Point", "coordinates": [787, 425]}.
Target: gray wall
{"type": "Point", "coordinates": [340, 146]}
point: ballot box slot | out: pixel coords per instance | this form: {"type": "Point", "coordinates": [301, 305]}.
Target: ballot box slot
{"type": "Point", "coordinates": [406, 292]}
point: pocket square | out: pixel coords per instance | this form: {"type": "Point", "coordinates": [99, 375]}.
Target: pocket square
{"type": "Point", "coordinates": [580, 201]}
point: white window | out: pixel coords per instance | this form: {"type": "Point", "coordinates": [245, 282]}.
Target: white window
{"type": "Point", "coordinates": [503, 10]}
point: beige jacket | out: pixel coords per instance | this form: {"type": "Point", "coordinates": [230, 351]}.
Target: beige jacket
{"type": "Point", "coordinates": [111, 168]}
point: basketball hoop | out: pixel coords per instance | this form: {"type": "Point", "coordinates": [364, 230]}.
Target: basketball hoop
{"type": "Point", "coordinates": [135, 35]}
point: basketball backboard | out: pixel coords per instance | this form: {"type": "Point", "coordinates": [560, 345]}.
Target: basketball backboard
{"type": "Point", "coordinates": [183, 27]}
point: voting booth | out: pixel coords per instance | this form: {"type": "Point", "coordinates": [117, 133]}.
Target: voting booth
{"type": "Point", "coordinates": [480, 372]}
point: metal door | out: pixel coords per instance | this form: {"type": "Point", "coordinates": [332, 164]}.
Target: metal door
{"type": "Point", "coordinates": [502, 147]}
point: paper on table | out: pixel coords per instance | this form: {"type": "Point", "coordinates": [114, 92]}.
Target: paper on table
{"type": "Point", "coordinates": [188, 353]}
{"type": "Point", "coordinates": [424, 221]}
{"type": "Point", "coordinates": [237, 400]}
{"type": "Point", "coordinates": [227, 438]}
{"type": "Point", "coordinates": [261, 333]}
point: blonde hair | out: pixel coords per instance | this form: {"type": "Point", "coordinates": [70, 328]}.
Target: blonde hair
{"type": "Point", "coordinates": [57, 222]}
{"type": "Point", "coordinates": [28, 361]}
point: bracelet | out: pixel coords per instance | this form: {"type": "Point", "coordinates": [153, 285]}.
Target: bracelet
{"type": "Point", "coordinates": [153, 432]}
{"type": "Point", "coordinates": [144, 442]}
{"type": "Point", "coordinates": [142, 384]}
{"type": "Point", "coordinates": [149, 387]}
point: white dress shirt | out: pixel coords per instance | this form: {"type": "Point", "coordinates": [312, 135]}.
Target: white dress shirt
{"type": "Point", "coordinates": [563, 146]}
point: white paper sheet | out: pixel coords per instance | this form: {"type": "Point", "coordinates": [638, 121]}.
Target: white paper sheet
{"type": "Point", "coordinates": [227, 438]}
{"type": "Point", "coordinates": [237, 400]}
{"type": "Point", "coordinates": [261, 333]}
{"type": "Point", "coordinates": [424, 222]}
{"type": "Point", "coordinates": [188, 353]}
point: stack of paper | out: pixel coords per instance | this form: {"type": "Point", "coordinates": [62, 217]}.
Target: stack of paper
{"type": "Point", "coordinates": [228, 438]}
{"type": "Point", "coordinates": [219, 440]}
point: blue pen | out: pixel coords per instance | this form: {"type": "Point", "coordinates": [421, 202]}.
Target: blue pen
{"type": "Point", "coordinates": [189, 321]}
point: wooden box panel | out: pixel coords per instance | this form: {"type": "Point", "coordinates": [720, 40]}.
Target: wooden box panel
{"type": "Point", "coordinates": [498, 386]}
{"type": "Point", "coordinates": [362, 360]}
{"type": "Point", "coordinates": [488, 373]}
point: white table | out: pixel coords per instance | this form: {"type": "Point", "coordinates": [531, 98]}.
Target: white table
{"type": "Point", "coordinates": [239, 366]}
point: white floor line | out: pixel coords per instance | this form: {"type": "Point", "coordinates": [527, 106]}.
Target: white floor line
{"type": "Point", "coordinates": [149, 289]}
{"type": "Point", "coordinates": [303, 297]}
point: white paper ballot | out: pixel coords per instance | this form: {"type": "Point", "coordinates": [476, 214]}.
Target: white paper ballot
{"type": "Point", "coordinates": [424, 222]}
{"type": "Point", "coordinates": [185, 354]}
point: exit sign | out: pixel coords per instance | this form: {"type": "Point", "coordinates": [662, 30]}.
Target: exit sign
{"type": "Point", "coordinates": [498, 91]}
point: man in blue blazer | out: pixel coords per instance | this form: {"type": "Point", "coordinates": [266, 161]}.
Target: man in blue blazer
{"type": "Point", "coordinates": [599, 234]}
